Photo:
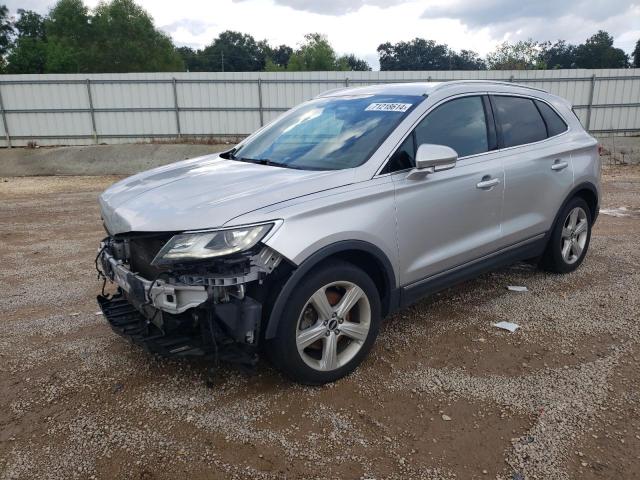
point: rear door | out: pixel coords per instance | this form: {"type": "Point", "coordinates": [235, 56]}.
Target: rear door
{"type": "Point", "coordinates": [448, 218]}
{"type": "Point", "coordinates": [537, 166]}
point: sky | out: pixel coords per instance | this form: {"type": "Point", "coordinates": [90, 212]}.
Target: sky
{"type": "Point", "coordinates": [359, 26]}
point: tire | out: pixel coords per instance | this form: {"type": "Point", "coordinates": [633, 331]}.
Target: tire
{"type": "Point", "coordinates": [569, 240]}
{"type": "Point", "coordinates": [327, 325]}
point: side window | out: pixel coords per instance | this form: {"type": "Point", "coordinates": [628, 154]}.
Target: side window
{"type": "Point", "coordinates": [555, 124]}
{"type": "Point", "coordinates": [403, 158]}
{"type": "Point", "coordinates": [519, 120]}
{"type": "Point", "coordinates": [460, 124]}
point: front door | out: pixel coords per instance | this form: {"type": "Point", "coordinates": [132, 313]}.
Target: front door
{"type": "Point", "coordinates": [451, 217]}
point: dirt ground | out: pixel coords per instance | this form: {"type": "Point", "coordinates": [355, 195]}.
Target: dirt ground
{"type": "Point", "coordinates": [443, 395]}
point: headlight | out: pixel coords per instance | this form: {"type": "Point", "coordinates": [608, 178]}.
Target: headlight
{"type": "Point", "coordinates": [217, 243]}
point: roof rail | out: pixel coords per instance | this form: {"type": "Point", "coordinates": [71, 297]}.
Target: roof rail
{"type": "Point", "coordinates": [444, 84]}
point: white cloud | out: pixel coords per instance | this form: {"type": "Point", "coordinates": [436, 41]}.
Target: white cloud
{"type": "Point", "coordinates": [334, 7]}
{"type": "Point", "coordinates": [492, 12]}
{"type": "Point", "coordinates": [358, 32]}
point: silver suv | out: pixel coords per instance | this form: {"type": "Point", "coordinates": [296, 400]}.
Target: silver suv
{"type": "Point", "coordinates": [302, 238]}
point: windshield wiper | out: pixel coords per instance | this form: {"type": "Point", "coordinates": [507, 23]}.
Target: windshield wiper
{"type": "Point", "coordinates": [266, 161]}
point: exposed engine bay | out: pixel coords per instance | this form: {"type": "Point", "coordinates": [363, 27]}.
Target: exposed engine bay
{"type": "Point", "coordinates": [199, 308]}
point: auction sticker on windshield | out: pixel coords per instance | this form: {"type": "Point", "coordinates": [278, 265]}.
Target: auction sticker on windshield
{"type": "Point", "coordinates": [388, 107]}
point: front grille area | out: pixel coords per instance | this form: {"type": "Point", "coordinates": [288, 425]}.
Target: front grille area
{"type": "Point", "coordinates": [142, 251]}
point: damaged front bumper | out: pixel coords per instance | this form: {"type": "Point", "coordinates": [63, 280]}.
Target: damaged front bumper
{"type": "Point", "coordinates": [200, 310]}
{"type": "Point", "coordinates": [170, 298]}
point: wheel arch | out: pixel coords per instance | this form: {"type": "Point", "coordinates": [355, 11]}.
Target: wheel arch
{"type": "Point", "coordinates": [589, 193]}
{"type": "Point", "coordinates": [362, 254]}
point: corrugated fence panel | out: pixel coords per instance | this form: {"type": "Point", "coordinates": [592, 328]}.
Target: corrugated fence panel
{"type": "Point", "coordinates": [618, 118]}
{"type": "Point", "coordinates": [224, 108]}
{"type": "Point", "coordinates": [49, 110]}
{"type": "Point", "coordinates": [202, 124]}
{"type": "Point", "coordinates": [115, 108]}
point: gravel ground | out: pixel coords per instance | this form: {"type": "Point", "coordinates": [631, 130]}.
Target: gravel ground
{"type": "Point", "coordinates": [443, 395]}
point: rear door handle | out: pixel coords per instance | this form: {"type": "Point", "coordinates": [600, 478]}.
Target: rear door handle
{"type": "Point", "coordinates": [488, 183]}
{"type": "Point", "coordinates": [558, 165]}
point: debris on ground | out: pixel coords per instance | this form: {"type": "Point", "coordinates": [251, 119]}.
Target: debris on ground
{"type": "Point", "coordinates": [517, 288]}
{"type": "Point", "coordinates": [617, 212]}
{"type": "Point", "coordinates": [512, 327]}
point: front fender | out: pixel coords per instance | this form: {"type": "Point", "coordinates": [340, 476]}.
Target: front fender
{"type": "Point", "coordinates": [329, 251]}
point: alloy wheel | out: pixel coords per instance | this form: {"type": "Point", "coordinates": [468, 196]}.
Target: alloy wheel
{"type": "Point", "coordinates": [333, 325]}
{"type": "Point", "coordinates": [574, 235]}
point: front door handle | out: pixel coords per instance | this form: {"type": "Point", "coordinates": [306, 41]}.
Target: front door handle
{"type": "Point", "coordinates": [558, 165]}
{"type": "Point", "coordinates": [487, 183]}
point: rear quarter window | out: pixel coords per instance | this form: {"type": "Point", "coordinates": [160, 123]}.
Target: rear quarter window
{"type": "Point", "coordinates": [519, 120]}
{"type": "Point", "coordinates": [555, 123]}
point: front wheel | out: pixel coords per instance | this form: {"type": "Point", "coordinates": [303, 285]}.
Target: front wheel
{"type": "Point", "coordinates": [569, 239]}
{"type": "Point", "coordinates": [329, 325]}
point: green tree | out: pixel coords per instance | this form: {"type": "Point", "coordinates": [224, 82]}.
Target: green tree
{"type": "Point", "coordinates": [234, 52]}
{"type": "Point", "coordinates": [417, 54]}
{"type": "Point", "coordinates": [29, 53]}
{"type": "Point", "coordinates": [271, 66]}
{"type": "Point", "coordinates": [466, 60]}
{"type": "Point", "coordinates": [119, 36]}
{"type": "Point", "coordinates": [353, 63]}
{"type": "Point", "coordinates": [636, 55]}
{"type": "Point", "coordinates": [29, 24]}
{"type": "Point", "coordinates": [598, 52]}
{"type": "Point", "coordinates": [6, 33]}
{"type": "Point", "coordinates": [558, 55]}
{"type": "Point", "coordinates": [521, 55]}
{"type": "Point", "coordinates": [421, 54]}
{"type": "Point", "coordinates": [314, 54]}
{"type": "Point", "coordinates": [191, 58]}
{"type": "Point", "coordinates": [126, 40]}
{"type": "Point", "coordinates": [280, 55]}
{"type": "Point", "coordinates": [69, 38]}
{"type": "Point", "coordinates": [6, 30]}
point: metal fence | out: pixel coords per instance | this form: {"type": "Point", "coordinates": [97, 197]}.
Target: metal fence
{"type": "Point", "coordinates": [122, 108]}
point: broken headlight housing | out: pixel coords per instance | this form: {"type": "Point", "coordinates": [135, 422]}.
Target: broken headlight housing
{"type": "Point", "coordinates": [187, 247]}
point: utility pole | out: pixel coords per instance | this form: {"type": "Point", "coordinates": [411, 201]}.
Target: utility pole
{"type": "Point", "coordinates": [222, 59]}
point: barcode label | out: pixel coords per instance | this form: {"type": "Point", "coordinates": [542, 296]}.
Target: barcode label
{"type": "Point", "coordinates": [388, 107]}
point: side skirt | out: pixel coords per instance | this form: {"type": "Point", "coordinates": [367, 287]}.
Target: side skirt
{"type": "Point", "coordinates": [531, 248]}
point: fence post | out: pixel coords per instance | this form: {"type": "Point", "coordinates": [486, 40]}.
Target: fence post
{"type": "Point", "coordinates": [4, 122]}
{"type": "Point", "coordinates": [175, 106]}
{"type": "Point", "coordinates": [260, 102]}
{"type": "Point", "coordinates": [93, 114]}
{"type": "Point", "coordinates": [590, 104]}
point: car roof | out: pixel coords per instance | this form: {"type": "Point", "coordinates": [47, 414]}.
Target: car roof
{"type": "Point", "coordinates": [422, 88]}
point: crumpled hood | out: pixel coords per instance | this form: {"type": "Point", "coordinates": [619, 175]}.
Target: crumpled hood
{"type": "Point", "coordinates": [205, 192]}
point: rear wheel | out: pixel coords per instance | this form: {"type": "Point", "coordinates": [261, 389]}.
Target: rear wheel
{"type": "Point", "coordinates": [329, 325]}
{"type": "Point", "coordinates": [570, 238]}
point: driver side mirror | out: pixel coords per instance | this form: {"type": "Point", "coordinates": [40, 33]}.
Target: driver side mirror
{"type": "Point", "coordinates": [433, 158]}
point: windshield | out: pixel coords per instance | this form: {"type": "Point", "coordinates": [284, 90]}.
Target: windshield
{"type": "Point", "coordinates": [327, 133]}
